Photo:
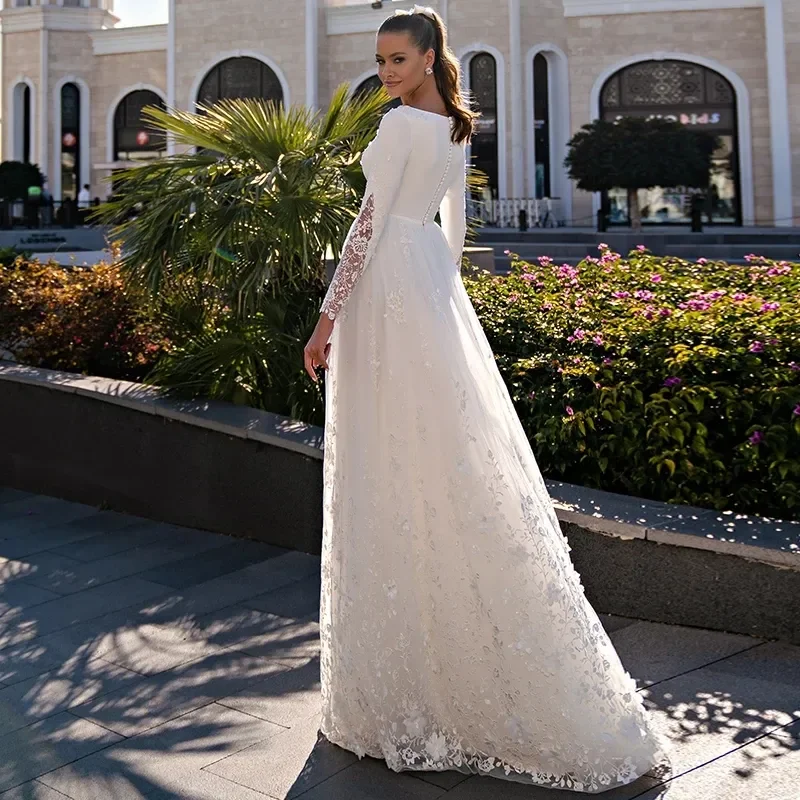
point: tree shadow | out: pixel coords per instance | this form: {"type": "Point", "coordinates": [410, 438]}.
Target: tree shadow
{"type": "Point", "coordinates": [145, 700]}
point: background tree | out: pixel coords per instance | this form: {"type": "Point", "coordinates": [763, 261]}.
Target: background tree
{"type": "Point", "coordinates": [636, 153]}
{"type": "Point", "coordinates": [16, 177]}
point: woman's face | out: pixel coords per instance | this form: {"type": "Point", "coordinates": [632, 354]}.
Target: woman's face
{"type": "Point", "coordinates": [401, 66]}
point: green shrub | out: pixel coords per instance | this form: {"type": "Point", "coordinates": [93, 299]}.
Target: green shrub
{"type": "Point", "coordinates": [655, 377]}
{"type": "Point", "coordinates": [80, 320]}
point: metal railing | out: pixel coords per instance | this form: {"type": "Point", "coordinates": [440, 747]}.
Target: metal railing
{"type": "Point", "coordinates": [543, 212]}
{"type": "Point", "coordinates": [43, 214]}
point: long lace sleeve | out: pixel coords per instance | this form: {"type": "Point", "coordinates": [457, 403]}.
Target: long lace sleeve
{"type": "Point", "coordinates": [388, 156]}
{"type": "Point", "coordinates": [453, 213]}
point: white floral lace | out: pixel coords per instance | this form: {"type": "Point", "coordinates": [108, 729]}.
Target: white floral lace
{"type": "Point", "coordinates": [391, 147]}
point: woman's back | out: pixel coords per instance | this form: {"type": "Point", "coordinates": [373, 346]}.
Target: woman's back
{"type": "Point", "coordinates": [434, 163]}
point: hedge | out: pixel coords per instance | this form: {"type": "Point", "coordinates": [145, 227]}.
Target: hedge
{"type": "Point", "coordinates": [655, 376]}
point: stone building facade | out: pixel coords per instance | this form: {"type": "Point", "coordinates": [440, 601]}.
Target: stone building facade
{"type": "Point", "coordinates": [73, 84]}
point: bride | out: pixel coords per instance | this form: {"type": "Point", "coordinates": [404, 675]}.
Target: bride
{"type": "Point", "coordinates": [455, 634]}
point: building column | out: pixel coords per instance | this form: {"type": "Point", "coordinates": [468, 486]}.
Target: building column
{"type": "Point", "coordinates": [515, 65]}
{"type": "Point", "coordinates": [171, 87]}
{"type": "Point", "coordinates": [779, 113]}
{"type": "Point", "coordinates": [44, 105]}
{"type": "Point", "coordinates": [312, 54]}
{"type": "Point", "coordinates": [443, 10]}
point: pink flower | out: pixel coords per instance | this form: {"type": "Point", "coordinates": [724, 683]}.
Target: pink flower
{"type": "Point", "coordinates": [579, 302]}
{"type": "Point", "coordinates": [507, 252]}
{"type": "Point", "coordinates": [756, 438]}
{"type": "Point", "coordinates": [656, 278]}
{"type": "Point", "coordinates": [769, 307]}
{"type": "Point", "coordinates": [672, 381]}
{"type": "Point", "coordinates": [740, 296]}
{"type": "Point", "coordinates": [545, 260]}
{"type": "Point", "coordinates": [579, 334]}
{"type": "Point", "coordinates": [528, 276]}
{"type": "Point", "coordinates": [621, 295]}
{"type": "Point", "coordinates": [665, 312]}
{"type": "Point", "coordinates": [781, 269]}
{"type": "Point", "coordinates": [641, 248]}
{"type": "Point", "coordinates": [756, 347]}
{"type": "Point", "coordinates": [531, 395]}
{"type": "Point", "coordinates": [794, 366]}
{"type": "Point", "coordinates": [598, 340]}
{"type": "Point", "coordinates": [570, 411]}
{"type": "Point", "coordinates": [698, 305]}
{"type": "Point", "coordinates": [602, 246]}
{"type": "Point", "coordinates": [607, 362]}
{"type": "Point", "coordinates": [643, 294]}
{"type": "Point", "coordinates": [796, 411]}
{"type": "Point", "coordinates": [702, 261]}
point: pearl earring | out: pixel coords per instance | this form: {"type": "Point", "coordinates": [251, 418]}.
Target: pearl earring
{"type": "Point", "coordinates": [428, 71]}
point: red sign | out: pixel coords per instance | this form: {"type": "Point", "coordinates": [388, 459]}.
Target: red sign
{"type": "Point", "coordinates": [69, 140]}
{"type": "Point", "coordinates": [143, 138]}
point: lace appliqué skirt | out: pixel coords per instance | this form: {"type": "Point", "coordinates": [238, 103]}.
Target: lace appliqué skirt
{"type": "Point", "coordinates": [455, 633]}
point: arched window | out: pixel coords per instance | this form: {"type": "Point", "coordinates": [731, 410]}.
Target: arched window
{"type": "Point", "coordinates": [23, 122]}
{"type": "Point", "coordinates": [134, 138]}
{"type": "Point", "coordinates": [541, 122]}
{"type": "Point", "coordinates": [483, 85]}
{"type": "Point", "coordinates": [240, 78]}
{"type": "Point", "coordinates": [70, 140]}
{"type": "Point", "coordinates": [371, 84]}
{"type": "Point", "coordinates": [693, 95]}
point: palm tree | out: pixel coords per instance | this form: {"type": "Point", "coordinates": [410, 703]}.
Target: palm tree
{"type": "Point", "coordinates": [228, 239]}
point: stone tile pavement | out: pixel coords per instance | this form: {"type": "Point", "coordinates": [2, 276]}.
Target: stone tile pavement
{"type": "Point", "coordinates": [145, 660]}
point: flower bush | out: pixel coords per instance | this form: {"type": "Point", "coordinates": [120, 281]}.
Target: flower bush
{"type": "Point", "coordinates": [78, 319]}
{"type": "Point", "coordinates": [655, 376]}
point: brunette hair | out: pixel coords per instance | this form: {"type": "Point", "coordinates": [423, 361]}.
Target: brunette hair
{"type": "Point", "coordinates": [428, 32]}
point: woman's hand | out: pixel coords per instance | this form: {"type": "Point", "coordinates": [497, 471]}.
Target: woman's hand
{"type": "Point", "coordinates": [316, 350]}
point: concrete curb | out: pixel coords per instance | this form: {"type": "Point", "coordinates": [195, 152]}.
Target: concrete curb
{"type": "Point", "coordinates": [755, 538]}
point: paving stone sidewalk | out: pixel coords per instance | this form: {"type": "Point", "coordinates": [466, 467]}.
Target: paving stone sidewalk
{"type": "Point", "coordinates": [146, 660]}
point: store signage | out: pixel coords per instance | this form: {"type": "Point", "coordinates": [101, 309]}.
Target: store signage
{"type": "Point", "coordinates": [719, 119]}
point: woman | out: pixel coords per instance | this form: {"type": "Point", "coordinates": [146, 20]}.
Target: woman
{"type": "Point", "coordinates": [455, 634]}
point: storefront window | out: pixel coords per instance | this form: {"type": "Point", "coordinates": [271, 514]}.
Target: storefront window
{"type": "Point", "coordinates": [693, 95]}
{"type": "Point", "coordinates": [134, 138]}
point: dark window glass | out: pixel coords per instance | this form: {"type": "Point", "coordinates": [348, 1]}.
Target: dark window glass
{"type": "Point", "coordinates": [134, 138]}
{"type": "Point", "coordinates": [26, 124]}
{"type": "Point", "coordinates": [70, 140]}
{"type": "Point", "coordinates": [541, 117]}
{"type": "Point", "coordinates": [483, 84]}
{"type": "Point", "coordinates": [240, 78]}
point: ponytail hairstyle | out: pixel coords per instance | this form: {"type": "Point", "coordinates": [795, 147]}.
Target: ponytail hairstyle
{"type": "Point", "coordinates": [428, 32]}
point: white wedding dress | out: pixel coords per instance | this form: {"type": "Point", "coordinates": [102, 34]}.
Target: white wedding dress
{"type": "Point", "coordinates": [455, 634]}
